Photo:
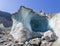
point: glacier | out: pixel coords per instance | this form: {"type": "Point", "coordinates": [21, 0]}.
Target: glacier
{"type": "Point", "coordinates": [28, 24]}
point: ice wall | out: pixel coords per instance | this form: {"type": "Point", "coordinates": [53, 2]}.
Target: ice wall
{"type": "Point", "coordinates": [26, 21]}
{"type": "Point", "coordinates": [54, 23]}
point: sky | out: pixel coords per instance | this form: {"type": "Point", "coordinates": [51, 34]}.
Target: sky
{"type": "Point", "coordinates": [48, 6]}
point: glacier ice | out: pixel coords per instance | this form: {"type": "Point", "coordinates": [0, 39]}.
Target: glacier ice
{"type": "Point", "coordinates": [26, 21]}
{"type": "Point", "coordinates": [27, 24]}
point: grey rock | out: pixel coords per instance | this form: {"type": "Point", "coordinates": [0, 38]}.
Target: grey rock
{"type": "Point", "coordinates": [35, 41]}
{"type": "Point", "coordinates": [6, 19]}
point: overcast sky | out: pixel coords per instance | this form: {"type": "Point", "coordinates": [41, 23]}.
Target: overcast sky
{"type": "Point", "coordinates": [49, 6]}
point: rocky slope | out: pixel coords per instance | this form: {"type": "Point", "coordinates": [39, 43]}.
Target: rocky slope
{"type": "Point", "coordinates": [47, 39]}
{"type": "Point", "coordinates": [5, 18]}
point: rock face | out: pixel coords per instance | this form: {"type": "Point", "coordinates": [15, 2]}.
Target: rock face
{"type": "Point", "coordinates": [5, 18]}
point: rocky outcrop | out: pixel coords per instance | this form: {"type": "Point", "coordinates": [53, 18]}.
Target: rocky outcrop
{"type": "Point", "coordinates": [45, 40]}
